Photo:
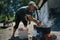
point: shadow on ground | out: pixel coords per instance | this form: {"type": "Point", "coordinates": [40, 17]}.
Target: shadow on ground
{"type": "Point", "coordinates": [17, 38]}
{"type": "Point", "coordinates": [4, 27]}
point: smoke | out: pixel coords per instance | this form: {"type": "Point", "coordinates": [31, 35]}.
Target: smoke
{"type": "Point", "coordinates": [50, 22]}
{"type": "Point", "coordinates": [44, 16]}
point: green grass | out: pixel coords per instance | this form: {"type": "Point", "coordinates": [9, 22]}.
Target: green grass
{"type": "Point", "coordinates": [3, 17]}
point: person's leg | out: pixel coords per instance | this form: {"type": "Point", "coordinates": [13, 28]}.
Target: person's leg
{"type": "Point", "coordinates": [15, 27]}
{"type": "Point", "coordinates": [25, 23]}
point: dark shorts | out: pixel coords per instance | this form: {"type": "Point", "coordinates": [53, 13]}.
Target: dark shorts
{"type": "Point", "coordinates": [18, 19]}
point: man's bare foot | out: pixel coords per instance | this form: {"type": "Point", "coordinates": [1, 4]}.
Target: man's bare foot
{"type": "Point", "coordinates": [24, 28]}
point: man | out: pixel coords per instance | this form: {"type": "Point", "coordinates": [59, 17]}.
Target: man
{"type": "Point", "coordinates": [22, 14]}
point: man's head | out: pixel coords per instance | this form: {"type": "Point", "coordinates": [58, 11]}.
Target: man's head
{"type": "Point", "coordinates": [32, 5]}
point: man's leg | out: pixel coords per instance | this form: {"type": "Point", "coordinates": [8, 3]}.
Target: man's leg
{"type": "Point", "coordinates": [25, 23]}
{"type": "Point", "coordinates": [15, 27]}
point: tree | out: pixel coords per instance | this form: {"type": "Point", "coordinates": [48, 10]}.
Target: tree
{"type": "Point", "coordinates": [9, 7]}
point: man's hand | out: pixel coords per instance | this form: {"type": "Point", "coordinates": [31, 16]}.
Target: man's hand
{"type": "Point", "coordinates": [40, 23]}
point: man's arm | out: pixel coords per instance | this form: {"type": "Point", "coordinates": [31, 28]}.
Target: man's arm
{"type": "Point", "coordinates": [33, 19]}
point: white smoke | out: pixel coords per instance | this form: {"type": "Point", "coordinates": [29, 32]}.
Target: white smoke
{"type": "Point", "coordinates": [50, 22]}
{"type": "Point", "coordinates": [43, 16]}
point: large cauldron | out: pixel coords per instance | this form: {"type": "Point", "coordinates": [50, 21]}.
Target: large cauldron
{"type": "Point", "coordinates": [44, 30]}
